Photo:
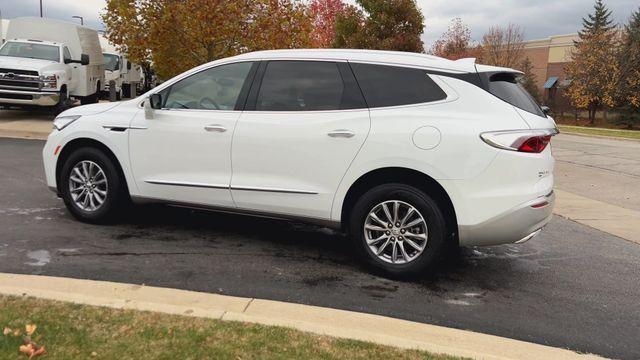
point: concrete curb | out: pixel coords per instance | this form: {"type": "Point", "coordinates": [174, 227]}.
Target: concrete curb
{"type": "Point", "coordinates": [324, 321]}
{"type": "Point", "coordinates": [569, 132]}
{"type": "Point", "coordinates": [612, 219]}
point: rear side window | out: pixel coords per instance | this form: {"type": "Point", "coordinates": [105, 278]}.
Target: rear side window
{"type": "Point", "coordinates": [301, 86]}
{"type": "Point", "coordinates": [392, 86]}
{"type": "Point", "coordinates": [506, 87]}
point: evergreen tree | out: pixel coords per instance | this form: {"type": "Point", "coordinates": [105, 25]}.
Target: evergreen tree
{"type": "Point", "coordinates": [595, 66]}
{"type": "Point", "coordinates": [599, 21]}
{"type": "Point", "coordinates": [528, 80]}
{"type": "Point", "coordinates": [629, 84]}
{"type": "Point", "coordinates": [381, 24]}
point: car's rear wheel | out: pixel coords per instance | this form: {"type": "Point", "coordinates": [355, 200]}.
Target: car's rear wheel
{"type": "Point", "coordinates": [91, 186]}
{"type": "Point", "coordinates": [398, 229]}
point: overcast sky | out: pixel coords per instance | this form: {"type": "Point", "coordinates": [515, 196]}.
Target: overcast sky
{"type": "Point", "coordinates": [538, 18]}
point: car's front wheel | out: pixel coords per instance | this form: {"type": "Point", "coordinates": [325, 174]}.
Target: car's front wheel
{"type": "Point", "coordinates": [91, 186]}
{"type": "Point", "coordinates": [398, 229]}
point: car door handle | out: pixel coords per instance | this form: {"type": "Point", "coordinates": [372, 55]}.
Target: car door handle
{"type": "Point", "coordinates": [341, 133]}
{"type": "Point", "coordinates": [215, 128]}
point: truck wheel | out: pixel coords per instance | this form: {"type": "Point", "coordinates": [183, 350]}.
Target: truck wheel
{"type": "Point", "coordinates": [398, 230]}
{"type": "Point", "coordinates": [63, 102]}
{"type": "Point", "coordinates": [126, 90]}
{"type": "Point", "coordinates": [91, 186]}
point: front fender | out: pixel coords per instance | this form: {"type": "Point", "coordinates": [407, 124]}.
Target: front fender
{"type": "Point", "coordinates": [115, 142]}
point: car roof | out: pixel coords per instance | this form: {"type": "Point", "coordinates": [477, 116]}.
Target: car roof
{"type": "Point", "coordinates": [467, 65]}
{"type": "Point", "coordinates": [43, 42]}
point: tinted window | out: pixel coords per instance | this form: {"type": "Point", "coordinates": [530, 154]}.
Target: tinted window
{"type": "Point", "coordinates": [506, 87]}
{"type": "Point", "coordinates": [217, 88]}
{"type": "Point", "coordinates": [391, 85]}
{"type": "Point", "coordinates": [66, 54]}
{"type": "Point", "coordinates": [300, 86]}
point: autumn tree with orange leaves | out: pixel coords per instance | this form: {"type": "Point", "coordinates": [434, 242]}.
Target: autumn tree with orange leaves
{"type": "Point", "coordinates": [594, 66]}
{"type": "Point", "coordinates": [455, 43]}
{"type": "Point", "coordinates": [179, 35]}
{"type": "Point", "coordinates": [323, 15]}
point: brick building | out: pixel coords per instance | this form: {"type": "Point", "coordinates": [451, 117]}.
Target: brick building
{"type": "Point", "coordinates": [548, 57]}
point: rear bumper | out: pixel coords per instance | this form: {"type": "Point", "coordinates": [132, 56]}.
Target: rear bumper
{"type": "Point", "coordinates": [33, 98]}
{"type": "Point", "coordinates": [514, 226]}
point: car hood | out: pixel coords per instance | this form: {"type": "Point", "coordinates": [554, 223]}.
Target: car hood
{"type": "Point", "coordinates": [92, 109]}
{"type": "Point", "coordinates": [10, 62]}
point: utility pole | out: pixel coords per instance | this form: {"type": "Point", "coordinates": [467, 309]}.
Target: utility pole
{"type": "Point", "coordinates": [40, 8]}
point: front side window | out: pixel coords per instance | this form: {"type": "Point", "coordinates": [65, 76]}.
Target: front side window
{"type": "Point", "coordinates": [31, 51]}
{"type": "Point", "coordinates": [111, 62]}
{"type": "Point", "coordinates": [66, 54]}
{"type": "Point", "coordinates": [506, 87]}
{"type": "Point", "coordinates": [217, 88]}
{"type": "Point", "coordinates": [300, 86]}
{"type": "Point", "coordinates": [384, 85]}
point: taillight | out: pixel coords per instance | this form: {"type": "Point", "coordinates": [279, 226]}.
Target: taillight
{"type": "Point", "coordinates": [529, 141]}
{"type": "Point", "coordinates": [535, 144]}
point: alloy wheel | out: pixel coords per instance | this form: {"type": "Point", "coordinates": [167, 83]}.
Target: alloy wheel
{"type": "Point", "coordinates": [396, 232]}
{"type": "Point", "coordinates": [88, 185]}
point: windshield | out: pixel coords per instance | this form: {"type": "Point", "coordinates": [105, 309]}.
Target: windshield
{"type": "Point", "coordinates": [506, 86]}
{"type": "Point", "coordinates": [111, 62]}
{"type": "Point", "coordinates": [31, 51]}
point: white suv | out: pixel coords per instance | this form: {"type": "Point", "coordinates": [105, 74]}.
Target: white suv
{"type": "Point", "coordinates": [406, 152]}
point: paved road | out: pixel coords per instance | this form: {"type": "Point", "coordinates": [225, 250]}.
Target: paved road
{"type": "Point", "coordinates": [601, 169]}
{"type": "Point", "coordinates": [571, 287]}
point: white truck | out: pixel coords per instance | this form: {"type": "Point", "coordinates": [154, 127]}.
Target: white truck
{"type": "Point", "coordinates": [125, 74]}
{"type": "Point", "coordinates": [46, 62]}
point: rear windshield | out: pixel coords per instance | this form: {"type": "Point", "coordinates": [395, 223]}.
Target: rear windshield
{"type": "Point", "coordinates": [31, 51]}
{"type": "Point", "coordinates": [506, 87]}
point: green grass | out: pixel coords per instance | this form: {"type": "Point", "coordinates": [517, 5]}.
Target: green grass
{"type": "Point", "coordinates": [70, 331]}
{"type": "Point", "coordinates": [626, 134]}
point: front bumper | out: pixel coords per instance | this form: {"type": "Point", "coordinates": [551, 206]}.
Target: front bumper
{"type": "Point", "coordinates": [514, 226]}
{"type": "Point", "coordinates": [33, 98]}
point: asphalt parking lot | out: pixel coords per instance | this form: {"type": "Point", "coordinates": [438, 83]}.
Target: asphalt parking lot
{"type": "Point", "coordinates": [572, 287]}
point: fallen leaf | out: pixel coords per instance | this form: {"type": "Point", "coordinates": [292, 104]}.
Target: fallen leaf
{"type": "Point", "coordinates": [27, 349]}
{"type": "Point", "coordinates": [6, 331]}
{"type": "Point", "coordinates": [30, 329]}
{"type": "Point", "coordinates": [17, 332]}
{"type": "Point", "coordinates": [93, 353]}
{"type": "Point", "coordinates": [40, 351]}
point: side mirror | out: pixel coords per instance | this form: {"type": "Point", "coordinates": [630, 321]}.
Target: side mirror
{"type": "Point", "coordinates": [155, 101]}
{"type": "Point", "coordinates": [128, 65]}
{"type": "Point", "coordinates": [84, 59]}
{"type": "Point", "coordinates": [545, 109]}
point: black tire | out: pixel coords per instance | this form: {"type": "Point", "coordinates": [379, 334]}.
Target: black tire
{"type": "Point", "coordinates": [92, 99]}
{"type": "Point", "coordinates": [433, 251]}
{"type": "Point", "coordinates": [116, 196]}
{"type": "Point", "coordinates": [63, 103]}
{"type": "Point", "coordinates": [126, 90]}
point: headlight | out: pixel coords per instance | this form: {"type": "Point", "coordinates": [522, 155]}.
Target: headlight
{"type": "Point", "coordinates": [62, 122]}
{"type": "Point", "coordinates": [49, 81]}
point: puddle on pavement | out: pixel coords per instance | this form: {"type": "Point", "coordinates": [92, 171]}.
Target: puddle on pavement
{"type": "Point", "coordinates": [39, 257]}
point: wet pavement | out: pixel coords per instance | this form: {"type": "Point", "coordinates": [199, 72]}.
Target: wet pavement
{"type": "Point", "coordinates": [572, 287]}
